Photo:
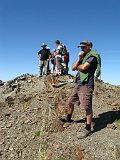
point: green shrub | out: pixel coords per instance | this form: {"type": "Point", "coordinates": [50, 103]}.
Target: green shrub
{"type": "Point", "coordinates": [117, 121]}
{"type": "Point", "coordinates": [116, 118]}
{"type": "Point", "coordinates": [37, 133]}
{"type": "Point", "coordinates": [60, 158]}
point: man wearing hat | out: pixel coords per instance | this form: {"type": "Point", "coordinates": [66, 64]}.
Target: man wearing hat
{"type": "Point", "coordinates": [87, 64]}
{"type": "Point", "coordinates": [43, 55]}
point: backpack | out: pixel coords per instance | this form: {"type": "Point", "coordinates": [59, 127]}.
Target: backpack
{"type": "Point", "coordinates": [64, 50]}
{"type": "Point", "coordinates": [66, 57]}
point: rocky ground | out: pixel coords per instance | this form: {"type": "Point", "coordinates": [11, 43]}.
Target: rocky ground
{"type": "Point", "coordinates": [29, 121]}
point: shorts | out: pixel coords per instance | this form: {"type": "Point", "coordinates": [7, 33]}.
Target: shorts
{"type": "Point", "coordinates": [58, 62]}
{"type": "Point", "coordinates": [82, 95]}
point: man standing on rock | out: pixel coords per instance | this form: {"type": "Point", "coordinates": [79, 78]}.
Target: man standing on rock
{"type": "Point", "coordinates": [58, 57]}
{"type": "Point", "coordinates": [43, 55]}
{"type": "Point", "coordinates": [87, 63]}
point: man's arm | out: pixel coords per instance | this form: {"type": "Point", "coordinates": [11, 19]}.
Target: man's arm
{"type": "Point", "coordinates": [39, 54]}
{"type": "Point", "coordinates": [49, 55]}
{"type": "Point", "coordinates": [77, 62]}
{"type": "Point", "coordinates": [86, 65]}
{"type": "Point", "coordinates": [83, 67]}
{"type": "Point", "coordinates": [56, 52]}
{"type": "Point", "coordinates": [75, 65]}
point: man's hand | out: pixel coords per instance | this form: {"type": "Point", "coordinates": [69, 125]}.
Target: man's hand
{"type": "Point", "coordinates": [38, 56]}
{"type": "Point", "coordinates": [76, 63]}
{"type": "Point", "coordinates": [80, 55]}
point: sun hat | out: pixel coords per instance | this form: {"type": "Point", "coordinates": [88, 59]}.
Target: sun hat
{"type": "Point", "coordinates": [43, 45]}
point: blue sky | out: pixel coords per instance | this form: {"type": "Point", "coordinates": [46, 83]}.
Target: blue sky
{"type": "Point", "coordinates": [25, 24]}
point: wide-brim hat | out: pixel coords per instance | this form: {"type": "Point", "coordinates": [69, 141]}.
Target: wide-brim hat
{"type": "Point", "coordinates": [43, 45]}
{"type": "Point", "coordinates": [48, 48]}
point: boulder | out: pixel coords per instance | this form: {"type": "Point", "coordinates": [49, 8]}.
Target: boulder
{"type": "Point", "coordinates": [1, 83]}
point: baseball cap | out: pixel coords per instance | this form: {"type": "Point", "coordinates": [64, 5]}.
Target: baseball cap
{"type": "Point", "coordinates": [85, 43]}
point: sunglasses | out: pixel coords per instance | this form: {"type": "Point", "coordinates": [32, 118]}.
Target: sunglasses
{"type": "Point", "coordinates": [83, 47]}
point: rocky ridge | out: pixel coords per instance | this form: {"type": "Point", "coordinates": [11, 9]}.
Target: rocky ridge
{"type": "Point", "coordinates": [29, 121]}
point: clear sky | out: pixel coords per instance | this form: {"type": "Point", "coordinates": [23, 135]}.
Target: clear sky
{"type": "Point", "coordinates": [25, 24]}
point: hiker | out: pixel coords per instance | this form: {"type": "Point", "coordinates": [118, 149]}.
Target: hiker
{"type": "Point", "coordinates": [52, 60]}
{"type": "Point", "coordinates": [66, 61]}
{"type": "Point", "coordinates": [58, 57]}
{"type": "Point", "coordinates": [43, 55]}
{"type": "Point", "coordinates": [48, 61]}
{"type": "Point", "coordinates": [87, 63]}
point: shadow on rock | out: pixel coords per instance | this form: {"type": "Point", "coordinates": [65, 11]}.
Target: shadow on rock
{"type": "Point", "coordinates": [105, 118]}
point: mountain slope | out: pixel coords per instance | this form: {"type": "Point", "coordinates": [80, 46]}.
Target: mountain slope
{"type": "Point", "coordinates": [30, 128]}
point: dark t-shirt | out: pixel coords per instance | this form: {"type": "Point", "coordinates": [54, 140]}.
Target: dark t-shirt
{"type": "Point", "coordinates": [93, 66]}
{"type": "Point", "coordinates": [44, 54]}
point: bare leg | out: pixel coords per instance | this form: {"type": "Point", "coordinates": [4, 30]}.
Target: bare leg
{"type": "Point", "coordinates": [70, 108]}
{"type": "Point", "coordinates": [58, 65]}
{"type": "Point", "coordinates": [89, 118]}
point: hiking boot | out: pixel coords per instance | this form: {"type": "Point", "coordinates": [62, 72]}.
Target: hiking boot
{"type": "Point", "coordinates": [84, 134]}
{"type": "Point", "coordinates": [65, 119]}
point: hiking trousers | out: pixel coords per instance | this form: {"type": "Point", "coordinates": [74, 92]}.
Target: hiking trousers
{"type": "Point", "coordinates": [43, 67]}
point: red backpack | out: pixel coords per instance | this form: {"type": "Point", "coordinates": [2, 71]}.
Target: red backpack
{"type": "Point", "coordinates": [66, 57]}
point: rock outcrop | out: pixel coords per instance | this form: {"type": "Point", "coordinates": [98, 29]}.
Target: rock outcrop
{"type": "Point", "coordinates": [30, 128]}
